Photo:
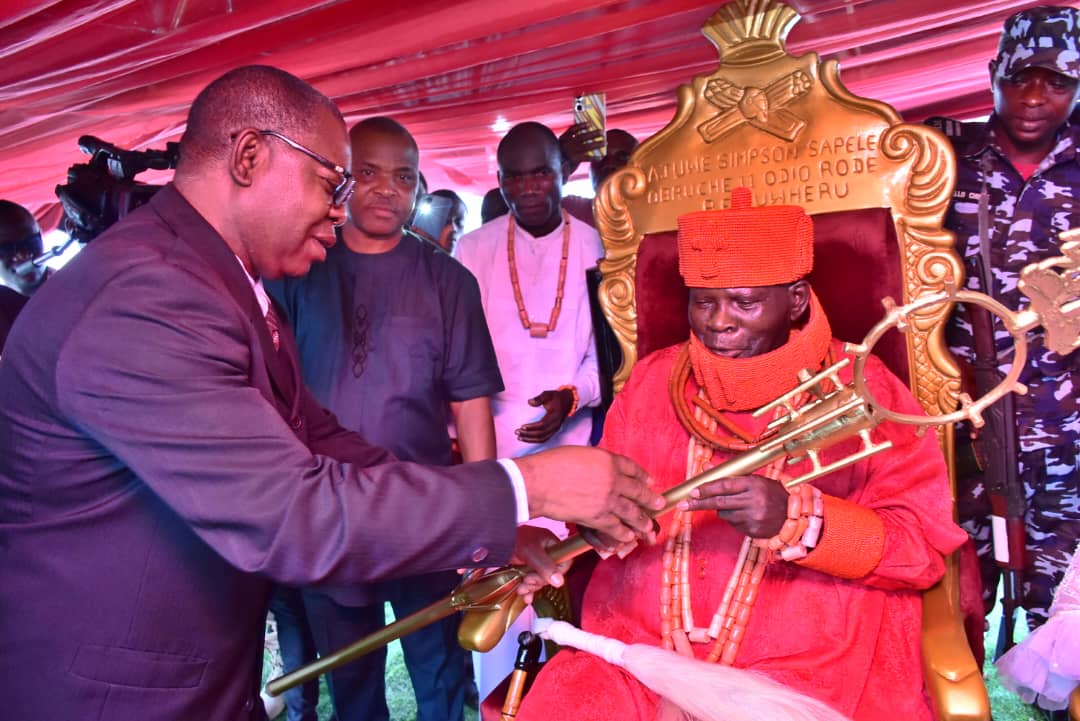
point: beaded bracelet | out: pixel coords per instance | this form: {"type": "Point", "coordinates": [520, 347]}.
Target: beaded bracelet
{"type": "Point", "coordinates": [574, 393]}
{"type": "Point", "coordinates": [802, 529]}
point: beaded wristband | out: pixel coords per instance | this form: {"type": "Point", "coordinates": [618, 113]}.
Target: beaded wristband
{"type": "Point", "coordinates": [574, 393]}
{"type": "Point", "coordinates": [802, 529]}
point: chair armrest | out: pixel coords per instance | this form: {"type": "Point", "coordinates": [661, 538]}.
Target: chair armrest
{"type": "Point", "coordinates": [1074, 704]}
{"type": "Point", "coordinates": [953, 679]}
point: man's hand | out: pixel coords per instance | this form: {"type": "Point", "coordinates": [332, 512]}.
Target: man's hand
{"type": "Point", "coordinates": [591, 487]}
{"type": "Point", "coordinates": [558, 405]}
{"type": "Point", "coordinates": [578, 140]}
{"type": "Point", "coordinates": [756, 506]}
{"type": "Point", "coordinates": [530, 551]}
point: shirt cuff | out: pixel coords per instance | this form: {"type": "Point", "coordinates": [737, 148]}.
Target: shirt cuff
{"type": "Point", "coordinates": [521, 498]}
{"type": "Point", "coordinates": [852, 540]}
{"type": "Point", "coordinates": [588, 388]}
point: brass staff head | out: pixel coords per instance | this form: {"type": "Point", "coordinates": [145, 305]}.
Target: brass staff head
{"type": "Point", "coordinates": [1053, 285]}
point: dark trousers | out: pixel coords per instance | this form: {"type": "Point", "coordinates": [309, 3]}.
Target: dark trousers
{"type": "Point", "coordinates": [297, 649]}
{"type": "Point", "coordinates": [433, 657]}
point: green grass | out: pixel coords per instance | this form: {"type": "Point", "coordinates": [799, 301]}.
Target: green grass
{"type": "Point", "coordinates": [399, 690]}
{"type": "Point", "coordinates": [1004, 704]}
{"type": "Point", "coordinates": [399, 693]}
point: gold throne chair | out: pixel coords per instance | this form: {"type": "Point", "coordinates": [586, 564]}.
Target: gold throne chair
{"type": "Point", "coordinates": [878, 190]}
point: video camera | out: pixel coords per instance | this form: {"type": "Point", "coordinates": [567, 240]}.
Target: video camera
{"type": "Point", "coordinates": [103, 190]}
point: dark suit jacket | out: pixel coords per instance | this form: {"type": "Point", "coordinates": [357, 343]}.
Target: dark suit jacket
{"type": "Point", "coordinates": [161, 464]}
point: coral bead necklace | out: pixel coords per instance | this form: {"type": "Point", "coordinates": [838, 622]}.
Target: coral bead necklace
{"type": "Point", "coordinates": [728, 625]}
{"type": "Point", "coordinates": [536, 329]}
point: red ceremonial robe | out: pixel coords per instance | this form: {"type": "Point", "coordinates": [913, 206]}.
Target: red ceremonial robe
{"type": "Point", "coordinates": [852, 643]}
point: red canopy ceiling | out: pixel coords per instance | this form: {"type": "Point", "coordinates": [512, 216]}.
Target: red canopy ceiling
{"type": "Point", "coordinates": [455, 73]}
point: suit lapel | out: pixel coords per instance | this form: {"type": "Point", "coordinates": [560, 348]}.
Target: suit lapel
{"type": "Point", "coordinates": [200, 236]}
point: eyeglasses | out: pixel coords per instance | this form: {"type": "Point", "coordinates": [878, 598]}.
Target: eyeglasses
{"type": "Point", "coordinates": [344, 190]}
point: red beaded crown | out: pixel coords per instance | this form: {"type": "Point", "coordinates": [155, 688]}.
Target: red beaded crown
{"type": "Point", "coordinates": [744, 246]}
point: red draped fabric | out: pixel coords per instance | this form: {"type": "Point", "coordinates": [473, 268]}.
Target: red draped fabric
{"type": "Point", "coordinates": [456, 73]}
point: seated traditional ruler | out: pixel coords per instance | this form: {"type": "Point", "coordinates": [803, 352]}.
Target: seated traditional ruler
{"type": "Point", "coordinates": [877, 190]}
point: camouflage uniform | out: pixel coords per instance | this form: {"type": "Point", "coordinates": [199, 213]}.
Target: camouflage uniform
{"type": "Point", "coordinates": [1025, 217]}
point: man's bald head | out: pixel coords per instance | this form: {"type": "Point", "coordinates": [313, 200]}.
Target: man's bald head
{"type": "Point", "coordinates": [254, 96]}
{"type": "Point", "coordinates": [381, 126]}
{"type": "Point", "coordinates": [264, 161]}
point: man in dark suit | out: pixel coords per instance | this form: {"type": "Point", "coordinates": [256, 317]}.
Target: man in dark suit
{"type": "Point", "coordinates": [161, 463]}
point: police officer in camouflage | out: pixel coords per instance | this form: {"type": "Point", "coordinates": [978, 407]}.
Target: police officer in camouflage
{"type": "Point", "coordinates": [1026, 159]}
